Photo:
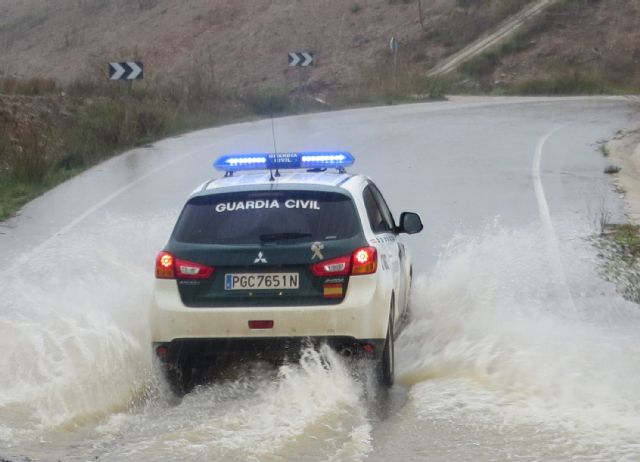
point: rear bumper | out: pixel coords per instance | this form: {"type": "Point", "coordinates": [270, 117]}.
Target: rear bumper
{"type": "Point", "coordinates": [208, 352]}
{"type": "Point", "coordinates": [363, 314]}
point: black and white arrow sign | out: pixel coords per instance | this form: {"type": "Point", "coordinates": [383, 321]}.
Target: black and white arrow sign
{"type": "Point", "coordinates": [130, 70]}
{"type": "Point", "coordinates": [301, 58]}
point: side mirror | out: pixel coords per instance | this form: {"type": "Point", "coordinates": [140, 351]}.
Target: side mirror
{"type": "Point", "coordinates": [410, 223]}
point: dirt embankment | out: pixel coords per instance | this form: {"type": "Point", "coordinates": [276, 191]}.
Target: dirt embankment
{"type": "Point", "coordinates": [17, 112]}
{"type": "Point", "coordinates": [624, 150]}
{"type": "Point", "coordinates": [38, 121]}
{"type": "Point", "coordinates": [597, 39]}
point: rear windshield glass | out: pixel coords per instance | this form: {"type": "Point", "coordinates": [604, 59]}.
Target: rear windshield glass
{"type": "Point", "coordinates": [260, 217]}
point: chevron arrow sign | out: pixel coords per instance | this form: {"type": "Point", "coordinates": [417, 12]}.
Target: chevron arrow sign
{"type": "Point", "coordinates": [129, 70]}
{"type": "Point", "coordinates": [300, 59]}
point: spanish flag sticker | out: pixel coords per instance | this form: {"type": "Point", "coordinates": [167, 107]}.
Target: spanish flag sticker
{"type": "Point", "coordinates": [332, 290]}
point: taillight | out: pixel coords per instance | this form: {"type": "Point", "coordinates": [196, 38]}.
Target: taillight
{"type": "Point", "coordinates": [340, 266]}
{"type": "Point", "coordinates": [169, 267]}
{"type": "Point", "coordinates": [365, 261]}
{"type": "Point", "coordinates": [362, 261]}
{"type": "Point", "coordinates": [164, 266]}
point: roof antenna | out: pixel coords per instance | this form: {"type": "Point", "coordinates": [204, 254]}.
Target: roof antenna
{"type": "Point", "coordinates": [273, 135]}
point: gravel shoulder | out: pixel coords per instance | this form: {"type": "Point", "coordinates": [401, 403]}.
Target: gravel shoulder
{"type": "Point", "coordinates": [624, 150]}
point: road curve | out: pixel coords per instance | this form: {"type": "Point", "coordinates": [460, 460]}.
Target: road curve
{"type": "Point", "coordinates": [516, 347]}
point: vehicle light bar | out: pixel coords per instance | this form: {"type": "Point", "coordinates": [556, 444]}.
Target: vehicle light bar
{"type": "Point", "coordinates": [288, 160]}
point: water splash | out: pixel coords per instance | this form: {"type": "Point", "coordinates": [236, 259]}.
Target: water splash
{"type": "Point", "coordinates": [74, 332]}
{"type": "Point", "coordinates": [311, 410]}
{"type": "Point", "coordinates": [490, 334]}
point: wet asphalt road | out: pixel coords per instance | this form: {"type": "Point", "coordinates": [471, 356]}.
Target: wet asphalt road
{"type": "Point", "coordinates": [500, 361]}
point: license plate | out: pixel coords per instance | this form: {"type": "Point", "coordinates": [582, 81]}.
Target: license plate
{"type": "Point", "coordinates": [261, 281]}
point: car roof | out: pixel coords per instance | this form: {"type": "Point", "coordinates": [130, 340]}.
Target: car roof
{"type": "Point", "coordinates": [325, 181]}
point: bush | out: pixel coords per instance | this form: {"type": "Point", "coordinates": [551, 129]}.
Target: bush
{"type": "Point", "coordinates": [573, 83]}
{"type": "Point", "coordinates": [470, 20]}
{"type": "Point", "coordinates": [481, 66]}
{"type": "Point", "coordinates": [267, 101]}
{"type": "Point", "coordinates": [152, 121]}
{"type": "Point", "coordinates": [29, 158]}
{"type": "Point", "coordinates": [435, 87]}
{"type": "Point", "coordinates": [31, 87]}
{"type": "Point", "coordinates": [99, 128]}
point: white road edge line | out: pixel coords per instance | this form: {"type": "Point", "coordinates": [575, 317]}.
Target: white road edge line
{"type": "Point", "coordinates": [34, 251]}
{"type": "Point", "coordinates": [547, 224]}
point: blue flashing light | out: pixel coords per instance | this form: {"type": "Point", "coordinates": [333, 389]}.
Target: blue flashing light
{"type": "Point", "coordinates": [289, 160]}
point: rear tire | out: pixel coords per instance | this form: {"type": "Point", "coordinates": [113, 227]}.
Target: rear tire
{"type": "Point", "coordinates": [386, 364]}
{"type": "Point", "coordinates": [178, 376]}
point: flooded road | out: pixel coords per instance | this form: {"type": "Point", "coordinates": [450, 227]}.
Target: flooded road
{"type": "Point", "coordinates": [516, 350]}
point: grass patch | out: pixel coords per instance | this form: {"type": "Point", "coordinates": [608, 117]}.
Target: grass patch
{"type": "Point", "coordinates": [469, 21]}
{"type": "Point", "coordinates": [619, 246]}
{"type": "Point", "coordinates": [627, 237]}
{"type": "Point", "coordinates": [46, 139]}
{"type": "Point", "coordinates": [101, 119]}
{"type": "Point", "coordinates": [563, 81]}
{"type": "Point", "coordinates": [269, 100]}
{"type": "Point", "coordinates": [481, 65]}
{"type": "Point", "coordinates": [32, 87]}
{"type": "Point", "coordinates": [569, 83]}
{"type": "Point", "coordinates": [379, 84]}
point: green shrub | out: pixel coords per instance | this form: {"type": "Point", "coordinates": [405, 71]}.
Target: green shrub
{"type": "Point", "coordinates": [29, 158]}
{"type": "Point", "coordinates": [32, 87]}
{"type": "Point", "coordinates": [481, 66]}
{"type": "Point", "coordinates": [435, 87]}
{"type": "Point", "coordinates": [270, 100]}
{"type": "Point", "coordinates": [99, 128]}
{"type": "Point", "coordinates": [573, 83]}
{"type": "Point", "coordinates": [470, 20]}
{"type": "Point", "coordinates": [518, 43]}
{"type": "Point", "coordinates": [152, 121]}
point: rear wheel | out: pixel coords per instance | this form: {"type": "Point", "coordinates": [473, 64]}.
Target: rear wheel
{"type": "Point", "coordinates": [386, 364]}
{"type": "Point", "coordinates": [178, 376]}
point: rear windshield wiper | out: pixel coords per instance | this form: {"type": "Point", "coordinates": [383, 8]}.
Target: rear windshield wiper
{"type": "Point", "coordinates": [282, 236]}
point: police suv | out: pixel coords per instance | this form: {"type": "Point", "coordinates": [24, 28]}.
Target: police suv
{"type": "Point", "coordinates": [261, 264]}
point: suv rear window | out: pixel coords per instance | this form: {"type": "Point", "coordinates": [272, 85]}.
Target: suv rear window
{"type": "Point", "coordinates": [259, 217]}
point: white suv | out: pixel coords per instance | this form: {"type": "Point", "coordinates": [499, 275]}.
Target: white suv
{"type": "Point", "coordinates": [260, 264]}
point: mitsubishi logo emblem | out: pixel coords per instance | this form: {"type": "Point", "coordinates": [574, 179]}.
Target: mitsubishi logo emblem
{"type": "Point", "coordinates": [260, 258]}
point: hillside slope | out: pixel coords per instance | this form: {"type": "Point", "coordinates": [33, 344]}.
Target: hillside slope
{"type": "Point", "coordinates": [243, 42]}
{"type": "Point", "coordinates": [600, 39]}
{"type": "Point", "coordinates": [583, 46]}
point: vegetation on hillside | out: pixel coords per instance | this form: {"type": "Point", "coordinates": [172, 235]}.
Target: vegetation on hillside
{"type": "Point", "coordinates": [560, 76]}
{"type": "Point", "coordinates": [50, 132]}
{"type": "Point", "coordinates": [468, 21]}
{"type": "Point", "coordinates": [619, 246]}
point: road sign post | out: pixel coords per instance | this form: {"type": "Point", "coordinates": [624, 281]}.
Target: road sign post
{"type": "Point", "coordinates": [127, 71]}
{"type": "Point", "coordinates": [303, 60]}
{"type": "Point", "coordinates": [393, 46]}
